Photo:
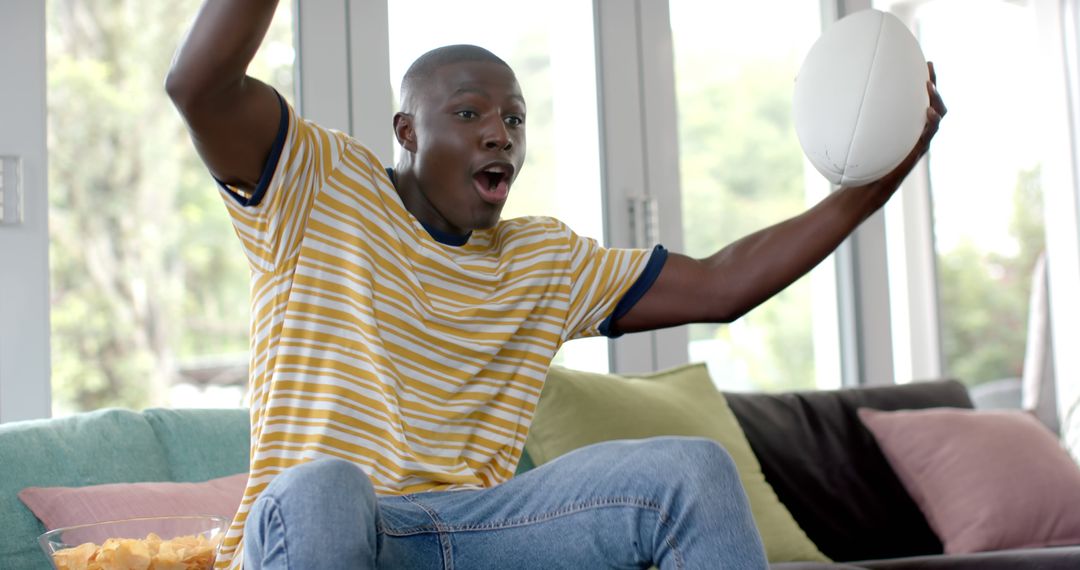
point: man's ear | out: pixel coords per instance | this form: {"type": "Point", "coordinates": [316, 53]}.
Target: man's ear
{"type": "Point", "coordinates": [404, 131]}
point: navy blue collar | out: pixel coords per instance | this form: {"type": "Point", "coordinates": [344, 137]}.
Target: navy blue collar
{"type": "Point", "coordinates": [445, 238]}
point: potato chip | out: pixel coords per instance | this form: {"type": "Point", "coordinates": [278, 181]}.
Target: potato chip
{"type": "Point", "coordinates": [77, 558]}
{"type": "Point", "coordinates": [192, 552]}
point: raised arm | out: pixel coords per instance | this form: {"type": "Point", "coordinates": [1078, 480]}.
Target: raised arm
{"type": "Point", "coordinates": [739, 277]}
{"type": "Point", "coordinates": [232, 118]}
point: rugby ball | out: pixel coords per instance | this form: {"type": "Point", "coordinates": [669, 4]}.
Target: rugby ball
{"type": "Point", "coordinates": [860, 98]}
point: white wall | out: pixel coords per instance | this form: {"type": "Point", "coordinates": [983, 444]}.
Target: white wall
{"type": "Point", "coordinates": [24, 261]}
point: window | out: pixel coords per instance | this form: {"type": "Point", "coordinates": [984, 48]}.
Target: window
{"type": "Point", "coordinates": [550, 47]}
{"type": "Point", "coordinates": [149, 288]}
{"type": "Point", "coordinates": [140, 309]}
{"type": "Point", "coordinates": [742, 169]}
{"type": "Point", "coordinates": [985, 178]}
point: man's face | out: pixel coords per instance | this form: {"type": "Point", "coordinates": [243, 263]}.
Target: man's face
{"type": "Point", "coordinates": [469, 143]}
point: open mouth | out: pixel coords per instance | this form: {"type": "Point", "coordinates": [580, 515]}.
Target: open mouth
{"type": "Point", "coordinates": [493, 183]}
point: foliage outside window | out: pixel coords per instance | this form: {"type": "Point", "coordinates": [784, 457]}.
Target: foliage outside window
{"type": "Point", "coordinates": [985, 177]}
{"type": "Point", "coordinates": [742, 169]}
{"type": "Point", "coordinates": [149, 288]}
{"type": "Point", "coordinates": [984, 294]}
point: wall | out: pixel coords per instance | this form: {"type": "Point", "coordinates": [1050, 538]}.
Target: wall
{"type": "Point", "coordinates": [24, 261]}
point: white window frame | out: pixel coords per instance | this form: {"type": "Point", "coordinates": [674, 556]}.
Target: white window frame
{"type": "Point", "coordinates": [639, 153]}
{"type": "Point", "coordinates": [342, 52]}
{"type": "Point", "coordinates": [867, 356]}
{"type": "Point", "coordinates": [1061, 200]}
{"type": "Point", "coordinates": [24, 248]}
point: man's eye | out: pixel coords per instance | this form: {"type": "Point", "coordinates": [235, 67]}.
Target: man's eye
{"type": "Point", "coordinates": [514, 121]}
{"type": "Point", "coordinates": [467, 114]}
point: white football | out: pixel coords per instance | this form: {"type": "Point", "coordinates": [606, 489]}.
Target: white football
{"type": "Point", "coordinates": [860, 98]}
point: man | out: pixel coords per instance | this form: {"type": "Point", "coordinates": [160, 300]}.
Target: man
{"type": "Point", "coordinates": [401, 331]}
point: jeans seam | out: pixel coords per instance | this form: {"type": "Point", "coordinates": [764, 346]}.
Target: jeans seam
{"type": "Point", "coordinates": [444, 541]}
{"type": "Point", "coordinates": [441, 529]}
{"type": "Point", "coordinates": [276, 513]}
{"type": "Point", "coordinates": [669, 538]}
{"type": "Point", "coordinates": [542, 517]}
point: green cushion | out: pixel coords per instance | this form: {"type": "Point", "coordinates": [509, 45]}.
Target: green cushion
{"type": "Point", "coordinates": [581, 408]}
{"type": "Point", "coordinates": [105, 446]}
{"type": "Point", "coordinates": [202, 444]}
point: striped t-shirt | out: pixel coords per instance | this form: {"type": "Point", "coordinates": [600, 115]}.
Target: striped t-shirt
{"type": "Point", "coordinates": [419, 360]}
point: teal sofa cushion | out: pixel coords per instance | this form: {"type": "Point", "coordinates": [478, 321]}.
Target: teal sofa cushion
{"type": "Point", "coordinates": [202, 444]}
{"type": "Point", "coordinates": [525, 464]}
{"type": "Point", "coordinates": [106, 446]}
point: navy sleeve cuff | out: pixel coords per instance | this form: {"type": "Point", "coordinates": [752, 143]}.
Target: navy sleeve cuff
{"type": "Point", "coordinates": [636, 291]}
{"type": "Point", "coordinates": [268, 168]}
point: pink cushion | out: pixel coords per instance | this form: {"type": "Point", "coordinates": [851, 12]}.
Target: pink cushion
{"type": "Point", "coordinates": [58, 507]}
{"type": "Point", "coordinates": [985, 480]}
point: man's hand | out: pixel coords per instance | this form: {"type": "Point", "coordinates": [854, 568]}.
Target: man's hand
{"type": "Point", "coordinates": [739, 277]}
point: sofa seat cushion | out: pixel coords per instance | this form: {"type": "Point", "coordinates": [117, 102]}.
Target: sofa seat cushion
{"type": "Point", "coordinates": [826, 467]}
{"type": "Point", "coordinates": [106, 446]}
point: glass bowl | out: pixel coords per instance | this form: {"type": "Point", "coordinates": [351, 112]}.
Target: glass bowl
{"type": "Point", "coordinates": [184, 542]}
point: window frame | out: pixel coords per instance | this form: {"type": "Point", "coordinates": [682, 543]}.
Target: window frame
{"type": "Point", "coordinates": [1058, 31]}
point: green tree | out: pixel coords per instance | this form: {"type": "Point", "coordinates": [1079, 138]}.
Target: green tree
{"type": "Point", "coordinates": [741, 168]}
{"type": "Point", "coordinates": [984, 295]}
{"type": "Point", "coordinates": [146, 273]}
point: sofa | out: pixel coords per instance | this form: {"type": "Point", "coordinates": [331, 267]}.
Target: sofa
{"type": "Point", "coordinates": [828, 470]}
{"type": "Point", "coordinates": [108, 446]}
{"type": "Point", "coordinates": [820, 460]}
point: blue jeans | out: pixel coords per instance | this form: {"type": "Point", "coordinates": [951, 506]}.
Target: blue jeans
{"type": "Point", "coordinates": [675, 502]}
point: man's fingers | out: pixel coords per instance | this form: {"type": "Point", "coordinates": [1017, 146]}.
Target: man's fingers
{"type": "Point", "coordinates": [931, 89]}
{"type": "Point", "coordinates": [932, 121]}
{"type": "Point", "coordinates": [935, 99]}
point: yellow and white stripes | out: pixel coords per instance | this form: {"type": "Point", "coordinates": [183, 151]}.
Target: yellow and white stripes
{"type": "Point", "coordinates": [370, 341]}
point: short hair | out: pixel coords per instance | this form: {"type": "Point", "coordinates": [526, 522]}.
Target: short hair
{"type": "Point", "coordinates": [426, 65]}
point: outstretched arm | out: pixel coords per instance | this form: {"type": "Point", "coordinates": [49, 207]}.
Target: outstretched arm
{"type": "Point", "coordinates": [739, 277]}
{"type": "Point", "coordinates": [232, 118]}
